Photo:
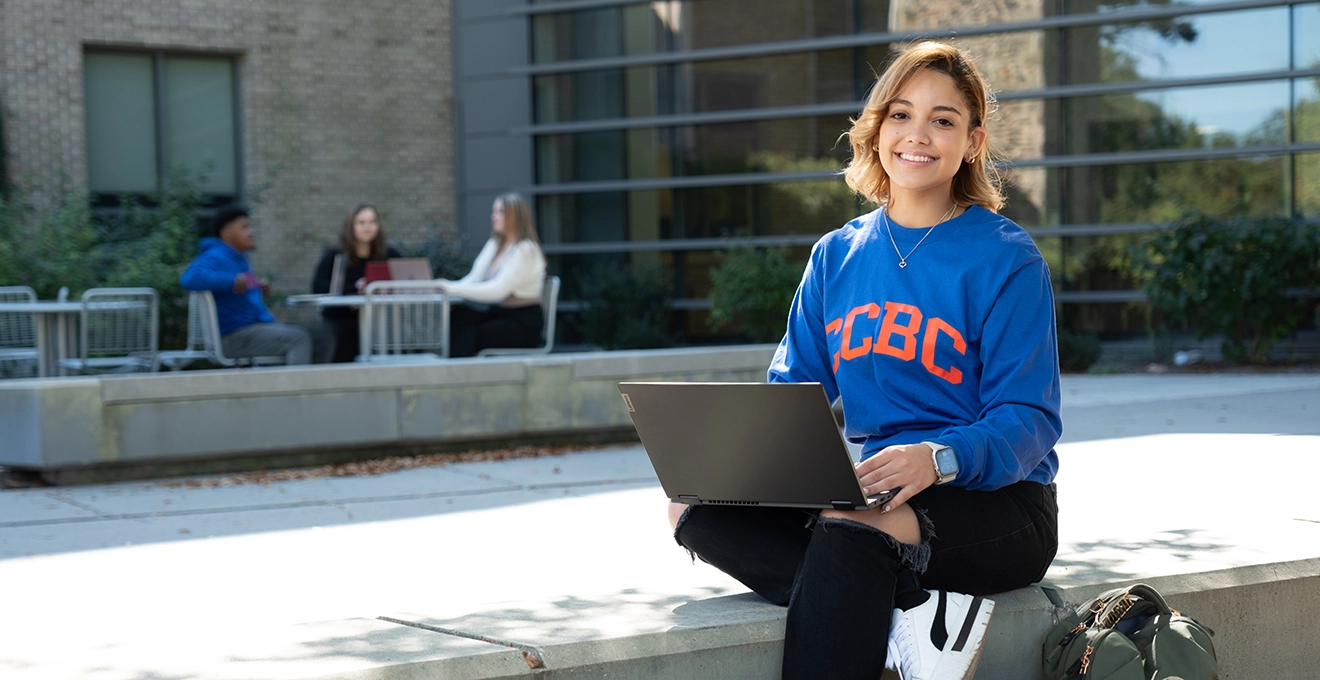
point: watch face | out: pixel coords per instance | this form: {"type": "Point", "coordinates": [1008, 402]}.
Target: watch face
{"type": "Point", "coordinates": [947, 462]}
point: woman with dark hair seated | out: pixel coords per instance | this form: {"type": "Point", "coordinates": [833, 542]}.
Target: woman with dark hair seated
{"type": "Point", "coordinates": [361, 240]}
{"type": "Point", "coordinates": [502, 293]}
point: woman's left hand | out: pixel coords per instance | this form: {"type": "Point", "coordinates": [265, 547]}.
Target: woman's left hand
{"type": "Point", "coordinates": [906, 467]}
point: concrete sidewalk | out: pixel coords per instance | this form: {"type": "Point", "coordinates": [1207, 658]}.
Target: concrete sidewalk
{"type": "Point", "coordinates": [567, 560]}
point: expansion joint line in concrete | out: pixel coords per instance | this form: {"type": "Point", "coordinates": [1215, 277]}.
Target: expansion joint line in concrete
{"type": "Point", "coordinates": [531, 654]}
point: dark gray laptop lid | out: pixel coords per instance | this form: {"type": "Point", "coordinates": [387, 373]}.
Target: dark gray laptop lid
{"type": "Point", "coordinates": [744, 443]}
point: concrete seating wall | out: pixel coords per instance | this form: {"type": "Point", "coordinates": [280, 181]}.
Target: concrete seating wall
{"type": "Point", "coordinates": [199, 415]}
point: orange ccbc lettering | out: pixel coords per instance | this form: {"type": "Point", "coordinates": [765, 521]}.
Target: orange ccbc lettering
{"type": "Point", "coordinates": [850, 353]}
{"type": "Point", "coordinates": [889, 327]}
{"type": "Point", "coordinates": [933, 329]}
{"type": "Point", "coordinates": [833, 327]}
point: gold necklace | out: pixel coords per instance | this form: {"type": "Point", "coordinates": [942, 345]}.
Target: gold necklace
{"type": "Point", "coordinates": [902, 259]}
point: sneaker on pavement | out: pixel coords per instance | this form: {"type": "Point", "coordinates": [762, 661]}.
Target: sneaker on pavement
{"type": "Point", "coordinates": [940, 638]}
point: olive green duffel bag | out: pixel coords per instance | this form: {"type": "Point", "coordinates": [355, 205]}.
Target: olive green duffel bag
{"type": "Point", "coordinates": [1129, 634]}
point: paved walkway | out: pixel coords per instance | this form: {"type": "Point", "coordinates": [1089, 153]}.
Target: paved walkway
{"type": "Point", "coordinates": [149, 580]}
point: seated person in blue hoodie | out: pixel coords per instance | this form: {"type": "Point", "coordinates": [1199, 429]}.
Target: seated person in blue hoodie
{"type": "Point", "coordinates": [246, 327]}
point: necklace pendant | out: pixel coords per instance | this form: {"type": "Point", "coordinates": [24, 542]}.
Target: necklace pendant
{"type": "Point", "coordinates": [902, 264]}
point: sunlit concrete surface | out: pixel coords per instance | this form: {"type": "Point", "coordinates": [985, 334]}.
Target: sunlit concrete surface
{"type": "Point", "coordinates": [1207, 493]}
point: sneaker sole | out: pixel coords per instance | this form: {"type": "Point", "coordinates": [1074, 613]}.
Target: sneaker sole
{"type": "Point", "coordinates": [961, 660]}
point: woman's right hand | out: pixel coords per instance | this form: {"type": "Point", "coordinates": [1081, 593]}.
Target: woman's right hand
{"type": "Point", "coordinates": [906, 467]}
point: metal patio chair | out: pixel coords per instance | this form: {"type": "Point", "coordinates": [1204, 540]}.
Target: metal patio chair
{"type": "Point", "coordinates": [18, 339]}
{"type": "Point", "coordinates": [204, 336]}
{"type": "Point", "coordinates": [195, 349]}
{"type": "Point", "coordinates": [405, 321]}
{"type": "Point", "coordinates": [549, 304]}
{"type": "Point", "coordinates": [117, 331]}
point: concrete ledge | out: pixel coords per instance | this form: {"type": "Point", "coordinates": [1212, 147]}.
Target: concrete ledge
{"type": "Point", "coordinates": [81, 423]}
{"type": "Point", "coordinates": [1262, 615]}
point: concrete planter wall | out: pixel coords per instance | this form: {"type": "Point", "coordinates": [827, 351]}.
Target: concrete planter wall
{"type": "Point", "coordinates": [199, 415]}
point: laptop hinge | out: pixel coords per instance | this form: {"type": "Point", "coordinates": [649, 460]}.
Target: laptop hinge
{"type": "Point", "coordinates": [843, 505]}
{"type": "Point", "coordinates": [690, 500]}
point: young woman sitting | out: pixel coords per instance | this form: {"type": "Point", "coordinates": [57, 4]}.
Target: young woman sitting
{"type": "Point", "coordinates": [361, 240]}
{"type": "Point", "coordinates": [502, 293]}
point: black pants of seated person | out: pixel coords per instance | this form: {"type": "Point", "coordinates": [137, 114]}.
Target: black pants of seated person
{"type": "Point", "coordinates": [841, 579]}
{"type": "Point", "coordinates": [473, 328]}
{"type": "Point", "coordinates": [347, 340]}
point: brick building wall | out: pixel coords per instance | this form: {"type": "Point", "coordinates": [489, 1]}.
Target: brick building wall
{"type": "Point", "coordinates": [340, 101]}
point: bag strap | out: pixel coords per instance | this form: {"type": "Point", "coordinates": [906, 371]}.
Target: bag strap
{"type": "Point", "coordinates": [1122, 601]}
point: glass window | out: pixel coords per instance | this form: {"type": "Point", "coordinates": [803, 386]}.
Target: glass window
{"type": "Point", "coordinates": [1307, 183]}
{"type": "Point", "coordinates": [782, 208]}
{"type": "Point", "coordinates": [148, 113]}
{"type": "Point", "coordinates": [1090, 6]}
{"type": "Point", "coordinates": [1184, 47]}
{"type": "Point", "coordinates": [199, 119]}
{"type": "Point", "coordinates": [1112, 320]}
{"type": "Point", "coordinates": [1307, 111]}
{"type": "Point", "coordinates": [1306, 36]}
{"type": "Point", "coordinates": [1097, 262]}
{"type": "Point", "coordinates": [1157, 192]}
{"type": "Point", "coordinates": [121, 129]}
{"type": "Point", "coordinates": [1180, 118]}
{"type": "Point", "coordinates": [647, 28]}
{"type": "Point", "coordinates": [1017, 129]}
{"type": "Point", "coordinates": [589, 34]}
{"type": "Point", "coordinates": [1026, 194]}
{"type": "Point", "coordinates": [812, 207]}
{"type": "Point", "coordinates": [778, 145]}
{"type": "Point", "coordinates": [698, 87]}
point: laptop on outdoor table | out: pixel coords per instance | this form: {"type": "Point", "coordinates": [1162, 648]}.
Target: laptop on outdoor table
{"type": "Point", "coordinates": [398, 269]}
{"type": "Point", "coordinates": [774, 444]}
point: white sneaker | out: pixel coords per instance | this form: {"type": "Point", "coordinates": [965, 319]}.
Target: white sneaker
{"type": "Point", "coordinates": [940, 639]}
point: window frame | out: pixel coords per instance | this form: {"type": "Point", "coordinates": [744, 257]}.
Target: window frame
{"type": "Point", "coordinates": [114, 201]}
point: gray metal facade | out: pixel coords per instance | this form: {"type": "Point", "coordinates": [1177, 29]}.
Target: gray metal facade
{"type": "Point", "coordinates": [497, 133]}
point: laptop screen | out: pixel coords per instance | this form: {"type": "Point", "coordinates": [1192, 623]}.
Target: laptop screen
{"type": "Point", "coordinates": [377, 271]}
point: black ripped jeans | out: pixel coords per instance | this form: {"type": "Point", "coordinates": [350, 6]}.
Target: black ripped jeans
{"type": "Point", "coordinates": [839, 577]}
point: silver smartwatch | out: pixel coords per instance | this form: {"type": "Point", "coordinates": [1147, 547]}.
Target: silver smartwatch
{"type": "Point", "coordinates": [945, 462]}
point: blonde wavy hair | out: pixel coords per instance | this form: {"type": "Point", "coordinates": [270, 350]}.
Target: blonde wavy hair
{"type": "Point", "coordinates": [976, 183]}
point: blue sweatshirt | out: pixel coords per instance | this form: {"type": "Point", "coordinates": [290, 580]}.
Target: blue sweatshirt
{"type": "Point", "coordinates": [215, 269]}
{"type": "Point", "coordinates": [958, 348]}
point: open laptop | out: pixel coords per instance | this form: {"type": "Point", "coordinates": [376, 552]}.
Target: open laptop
{"type": "Point", "coordinates": [398, 269]}
{"type": "Point", "coordinates": [409, 269]}
{"type": "Point", "coordinates": [746, 444]}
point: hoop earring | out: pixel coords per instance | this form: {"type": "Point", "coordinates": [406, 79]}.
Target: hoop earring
{"type": "Point", "coordinates": [971, 160]}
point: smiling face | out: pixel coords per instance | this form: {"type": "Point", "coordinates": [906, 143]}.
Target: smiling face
{"type": "Point", "coordinates": [365, 226]}
{"type": "Point", "coordinates": [925, 137]}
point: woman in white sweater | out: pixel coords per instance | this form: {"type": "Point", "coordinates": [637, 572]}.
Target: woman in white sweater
{"type": "Point", "coordinates": [502, 293]}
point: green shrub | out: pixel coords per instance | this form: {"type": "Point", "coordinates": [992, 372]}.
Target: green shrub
{"type": "Point", "coordinates": [49, 245]}
{"type": "Point", "coordinates": [155, 246]}
{"type": "Point", "coordinates": [624, 307]}
{"type": "Point", "coordinates": [59, 242]}
{"type": "Point", "coordinates": [1078, 351]}
{"type": "Point", "coordinates": [751, 290]}
{"type": "Point", "coordinates": [447, 262]}
{"type": "Point", "coordinates": [1231, 277]}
